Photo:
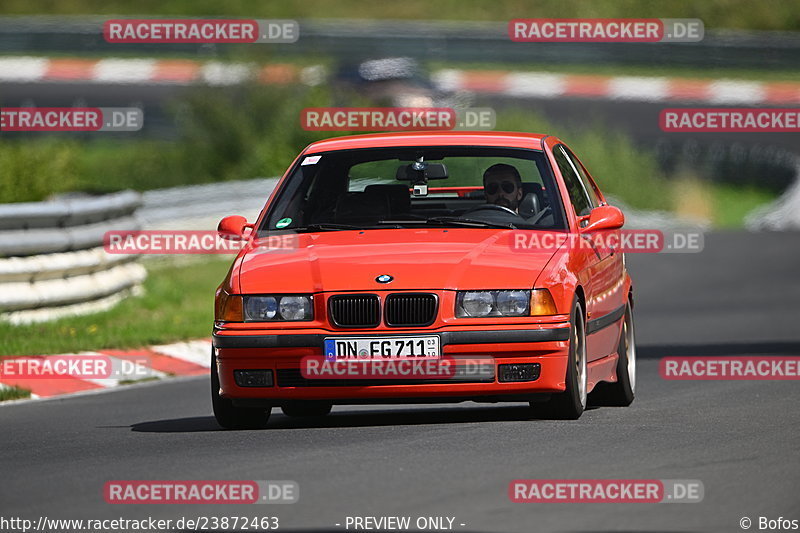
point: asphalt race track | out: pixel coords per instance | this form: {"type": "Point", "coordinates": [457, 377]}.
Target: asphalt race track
{"type": "Point", "coordinates": [738, 297]}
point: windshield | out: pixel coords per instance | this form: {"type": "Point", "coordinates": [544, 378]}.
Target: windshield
{"type": "Point", "coordinates": [416, 187]}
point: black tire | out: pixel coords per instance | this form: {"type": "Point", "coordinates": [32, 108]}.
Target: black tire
{"type": "Point", "coordinates": [229, 416]}
{"type": "Point", "coordinates": [306, 409]}
{"type": "Point", "coordinates": [621, 393]}
{"type": "Point", "coordinates": [570, 404]}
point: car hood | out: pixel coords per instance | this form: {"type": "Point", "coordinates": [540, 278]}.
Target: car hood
{"type": "Point", "coordinates": [428, 259]}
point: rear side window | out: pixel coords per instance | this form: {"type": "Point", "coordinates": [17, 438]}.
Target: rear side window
{"type": "Point", "coordinates": [584, 176]}
{"type": "Point", "coordinates": [578, 196]}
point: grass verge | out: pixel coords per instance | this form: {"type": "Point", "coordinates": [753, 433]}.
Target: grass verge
{"type": "Point", "coordinates": [178, 304]}
{"type": "Point", "coordinates": [725, 206]}
{"type": "Point", "coordinates": [13, 393]}
{"type": "Point", "coordinates": [732, 204]}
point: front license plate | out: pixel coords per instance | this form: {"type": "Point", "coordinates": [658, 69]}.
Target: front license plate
{"type": "Point", "coordinates": [382, 348]}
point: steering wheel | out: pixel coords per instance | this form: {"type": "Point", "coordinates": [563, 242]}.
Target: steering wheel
{"type": "Point", "coordinates": [492, 207]}
{"type": "Point", "coordinates": [538, 216]}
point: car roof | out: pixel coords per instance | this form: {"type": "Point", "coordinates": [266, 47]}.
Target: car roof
{"type": "Point", "coordinates": [430, 138]}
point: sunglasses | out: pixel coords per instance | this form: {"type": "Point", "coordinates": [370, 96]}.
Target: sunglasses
{"type": "Point", "coordinates": [508, 187]}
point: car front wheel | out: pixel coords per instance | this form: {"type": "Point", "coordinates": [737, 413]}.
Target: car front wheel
{"type": "Point", "coordinates": [622, 392]}
{"type": "Point", "coordinates": [229, 416]}
{"type": "Point", "coordinates": [570, 404]}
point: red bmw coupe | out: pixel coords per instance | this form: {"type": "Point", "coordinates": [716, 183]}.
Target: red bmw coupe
{"type": "Point", "coordinates": [425, 267]}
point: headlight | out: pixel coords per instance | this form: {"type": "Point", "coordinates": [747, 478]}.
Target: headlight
{"type": "Point", "coordinates": [274, 308]}
{"type": "Point", "coordinates": [295, 307]}
{"type": "Point", "coordinates": [260, 307]}
{"type": "Point", "coordinates": [493, 303]}
{"type": "Point", "coordinates": [477, 303]}
{"type": "Point", "coordinates": [513, 303]}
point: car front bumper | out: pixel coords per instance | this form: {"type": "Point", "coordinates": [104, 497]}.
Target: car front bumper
{"type": "Point", "coordinates": [283, 351]}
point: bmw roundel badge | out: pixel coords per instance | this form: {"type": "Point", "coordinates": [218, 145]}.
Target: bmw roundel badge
{"type": "Point", "coordinates": [384, 278]}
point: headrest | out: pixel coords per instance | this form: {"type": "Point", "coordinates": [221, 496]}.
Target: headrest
{"type": "Point", "coordinates": [396, 194]}
{"type": "Point", "coordinates": [529, 206]}
{"type": "Point", "coordinates": [361, 205]}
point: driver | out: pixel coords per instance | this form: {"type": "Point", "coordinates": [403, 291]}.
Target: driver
{"type": "Point", "coordinates": [502, 186]}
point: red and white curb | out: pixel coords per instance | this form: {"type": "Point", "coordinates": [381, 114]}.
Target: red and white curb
{"type": "Point", "coordinates": [628, 88]}
{"type": "Point", "coordinates": [29, 69]}
{"type": "Point", "coordinates": [191, 358]}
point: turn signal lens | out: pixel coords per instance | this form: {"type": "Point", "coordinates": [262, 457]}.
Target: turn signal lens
{"type": "Point", "coordinates": [228, 307]}
{"type": "Point", "coordinates": [542, 303]}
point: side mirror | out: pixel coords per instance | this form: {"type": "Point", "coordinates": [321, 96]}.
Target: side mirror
{"type": "Point", "coordinates": [233, 227]}
{"type": "Point", "coordinates": [604, 217]}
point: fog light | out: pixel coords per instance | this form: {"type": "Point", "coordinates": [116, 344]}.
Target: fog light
{"type": "Point", "coordinates": [518, 372]}
{"type": "Point", "coordinates": [253, 378]}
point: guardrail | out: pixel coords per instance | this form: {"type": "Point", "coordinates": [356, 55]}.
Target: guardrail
{"type": "Point", "coordinates": [446, 41]}
{"type": "Point", "coordinates": [782, 214]}
{"type": "Point", "coordinates": [52, 262]}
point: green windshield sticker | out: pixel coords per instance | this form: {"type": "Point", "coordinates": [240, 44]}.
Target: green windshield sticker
{"type": "Point", "coordinates": [282, 223]}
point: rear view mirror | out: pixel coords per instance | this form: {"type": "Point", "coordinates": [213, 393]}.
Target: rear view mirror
{"type": "Point", "coordinates": [232, 228]}
{"type": "Point", "coordinates": [432, 171]}
{"type": "Point", "coordinates": [604, 217]}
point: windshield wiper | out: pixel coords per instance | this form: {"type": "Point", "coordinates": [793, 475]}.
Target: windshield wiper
{"type": "Point", "coordinates": [326, 226]}
{"type": "Point", "coordinates": [334, 226]}
{"type": "Point", "coordinates": [470, 222]}
{"type": "Point", "coordinates": [398, 223]}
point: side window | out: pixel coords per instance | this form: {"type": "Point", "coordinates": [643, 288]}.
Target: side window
{"type": "Point", "coordinates": [587, 182]}
{"type": "Point", "coordinates": [577, 194]}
